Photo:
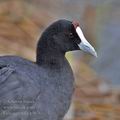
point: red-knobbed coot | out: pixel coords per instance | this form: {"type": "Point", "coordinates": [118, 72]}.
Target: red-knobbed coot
{"type": "Point", "coordinates": [42, 90]}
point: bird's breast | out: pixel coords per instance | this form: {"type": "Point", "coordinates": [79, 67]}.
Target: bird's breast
{"type": "Point", "coordinates": [61, 87]}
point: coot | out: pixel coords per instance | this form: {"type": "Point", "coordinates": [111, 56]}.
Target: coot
{"type": "Point", "coordinates": [42, 90]}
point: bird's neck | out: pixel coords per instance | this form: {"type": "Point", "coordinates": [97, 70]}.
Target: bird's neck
{"type": "Point", "coordinates": [50, 58]}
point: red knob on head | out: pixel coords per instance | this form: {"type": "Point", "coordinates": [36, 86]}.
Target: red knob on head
{"type": "Point", "coordinates": [75, 24]}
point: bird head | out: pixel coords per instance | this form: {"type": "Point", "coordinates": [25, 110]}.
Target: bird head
{"type": "Point", "coordinates": [64, 36]}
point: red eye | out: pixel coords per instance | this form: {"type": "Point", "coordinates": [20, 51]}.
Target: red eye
{"type": "Point", "coordinates": [71, 35]}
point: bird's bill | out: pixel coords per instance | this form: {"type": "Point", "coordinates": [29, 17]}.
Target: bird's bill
{"type": "Point", "coordinates": [85, 45]}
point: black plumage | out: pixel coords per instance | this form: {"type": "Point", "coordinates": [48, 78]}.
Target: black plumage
{"type": "Point", "coordinates": [40, 90]}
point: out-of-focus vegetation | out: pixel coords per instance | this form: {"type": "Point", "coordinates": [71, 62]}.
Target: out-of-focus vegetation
{"type": "Point", "coordinates": [22, 21]}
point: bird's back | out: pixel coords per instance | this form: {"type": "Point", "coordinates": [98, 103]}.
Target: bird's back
{"type": "Point", "coordinates": [29, 91]}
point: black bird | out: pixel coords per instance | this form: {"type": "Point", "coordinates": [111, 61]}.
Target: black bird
{"type": "Point", "coordinates": [42, 90]}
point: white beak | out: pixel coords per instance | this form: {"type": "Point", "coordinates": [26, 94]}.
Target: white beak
{"type": "Point", "coordinates": [85, 45]}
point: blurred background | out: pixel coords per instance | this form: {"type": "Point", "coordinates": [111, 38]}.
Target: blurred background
{"type": "Point", "coordinates": [97, 94]}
